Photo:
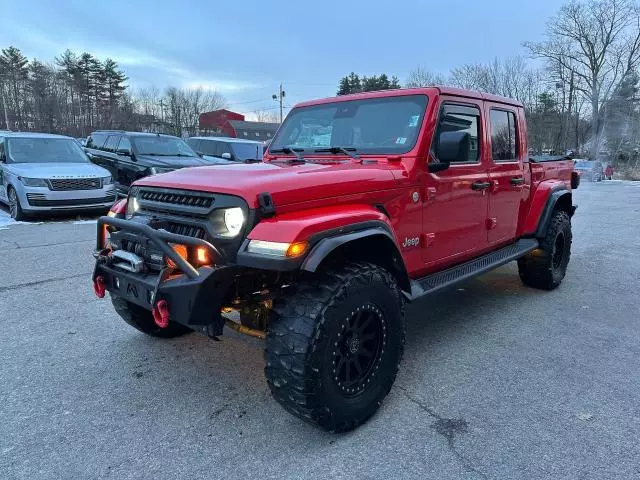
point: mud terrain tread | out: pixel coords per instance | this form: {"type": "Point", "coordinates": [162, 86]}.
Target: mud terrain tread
{"type": "Point", "coordinates": [298, 322]}
{"type": "Point", "coordinates": [535, 269]}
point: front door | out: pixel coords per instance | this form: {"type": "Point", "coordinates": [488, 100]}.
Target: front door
{"type": "Point", "coordinates": [457, 198]}
{"type": "Point", "coordinates": [506, 173]}
{"type": "Point", "coordinates": [3, 180]}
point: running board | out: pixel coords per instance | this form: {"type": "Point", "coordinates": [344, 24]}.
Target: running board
{"type": "Point", "coordinates": [437, 281]}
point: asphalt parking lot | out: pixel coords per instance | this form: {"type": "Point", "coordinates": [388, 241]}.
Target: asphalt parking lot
{"type": "Point", "coordinates": [498, 380]}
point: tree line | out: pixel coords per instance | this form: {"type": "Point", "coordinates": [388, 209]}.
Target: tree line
{"type": "Point", "coordinates": [77, 93]}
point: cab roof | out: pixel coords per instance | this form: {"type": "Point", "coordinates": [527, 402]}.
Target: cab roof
{"type": "Point", "coordinates": [432, 91]}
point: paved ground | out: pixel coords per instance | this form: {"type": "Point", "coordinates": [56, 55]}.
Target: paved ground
{"type": "Point", "coordinates": [498, 381]}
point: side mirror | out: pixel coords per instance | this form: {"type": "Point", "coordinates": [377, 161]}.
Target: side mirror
{"type": "Point", "coordinates": [434, 167]}
{"type": "Point", "coordinates": [226, 155]}
{"type": "Point", "coordinates": [453, 147]}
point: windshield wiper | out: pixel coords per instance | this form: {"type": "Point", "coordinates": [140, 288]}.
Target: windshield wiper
{"type": "Point", "coordinates": [289, 150]}
{"type": "Point", "coordinates": [349, 151]}
{"type": "Point", "coordinates": [251, 160]}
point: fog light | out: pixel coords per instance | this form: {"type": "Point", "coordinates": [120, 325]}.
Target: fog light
{"type": "Point", "coordinates": [202, 256]}
{"type": "Point", "coordinates": [180, 250]}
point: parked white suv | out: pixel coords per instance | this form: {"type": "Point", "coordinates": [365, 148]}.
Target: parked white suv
{"type": "Point", "coordinates": [45, 173]}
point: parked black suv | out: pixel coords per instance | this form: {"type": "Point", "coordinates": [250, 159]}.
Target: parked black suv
{"type": "Point", "coordinates": [133, 155]}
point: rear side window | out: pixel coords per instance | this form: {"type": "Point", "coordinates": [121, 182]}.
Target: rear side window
{"type": "Point", "coordinates": [504, 145]}
{"type": "Point", "coordinates": [112, 143]}
{"type": "Point", "coordinates": [96, 140]}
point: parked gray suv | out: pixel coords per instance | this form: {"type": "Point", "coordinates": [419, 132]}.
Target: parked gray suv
{"type": "Point", "coordinates": [43, 173]}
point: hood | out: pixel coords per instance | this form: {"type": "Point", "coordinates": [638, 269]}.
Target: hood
{"type": "Point", "coordinates": [286, 183]}
{"type": "Point", "coordinates": [57, 170]}
{"type": "Point", "coordinates": [175, 162]}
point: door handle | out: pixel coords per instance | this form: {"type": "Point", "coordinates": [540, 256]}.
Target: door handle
{"type": "Point", "coordinates": [517, 181]}
{"type": "Point", "coordinates": [480, 185]}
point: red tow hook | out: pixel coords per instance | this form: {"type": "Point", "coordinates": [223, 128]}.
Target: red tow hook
{"type": "Point", "coordinates": [161, 314]}
{"type": "Point", "coordinates": [98, 287]}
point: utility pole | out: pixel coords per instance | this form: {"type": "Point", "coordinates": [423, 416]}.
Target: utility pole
{"type": "Point", "coordinates": [279, 98]}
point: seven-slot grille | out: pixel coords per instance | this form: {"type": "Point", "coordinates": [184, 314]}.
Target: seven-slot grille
{"type": "Point", "coordinates": [177, 199]}
{"type": "Point", "coordinates": [75, 183]}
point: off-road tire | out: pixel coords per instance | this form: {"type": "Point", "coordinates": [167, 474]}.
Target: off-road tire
{"type": "Point", "coordinates": [546, 266]}
{"type": "Point", "coordinates": [15, 209]}
{"type": "Point", "coordinates": [305, 329]}
{"type": "Point", "coordinates": [142, 320]}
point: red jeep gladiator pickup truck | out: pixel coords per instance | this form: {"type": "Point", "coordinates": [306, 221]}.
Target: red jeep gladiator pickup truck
{"type": "Point", "coordinates": [361, 203]}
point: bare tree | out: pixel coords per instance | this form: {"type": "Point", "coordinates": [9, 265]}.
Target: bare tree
{"type": "Point", "coordinates": [420, 77]}
{"type": "Point", "coordinates": [599, 41]}
{"type": "Point", "coordinates": [268, 116]}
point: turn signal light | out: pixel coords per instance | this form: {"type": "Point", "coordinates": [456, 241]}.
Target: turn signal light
{"type": "Point", "coordinates": [202, 256]}
{"type": "Point", "coordinates": [180, 250]}
{"type": "Point", "coordinates": [296, 249]}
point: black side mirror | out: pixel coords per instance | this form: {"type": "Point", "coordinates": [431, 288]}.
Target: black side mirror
{"type": "Point", "coordinates": [434, 167]}
{"type": "Point", "coordinates": [453, 147]}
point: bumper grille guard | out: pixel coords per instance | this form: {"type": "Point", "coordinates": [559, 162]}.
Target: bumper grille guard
{"type": "Point", "coordinates": [161, 240]}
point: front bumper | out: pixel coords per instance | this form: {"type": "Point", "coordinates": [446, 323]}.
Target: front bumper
{"type": "Point", "coordinates": [194, 297]}
{"type": "Point", "coordinates": [42, 199]}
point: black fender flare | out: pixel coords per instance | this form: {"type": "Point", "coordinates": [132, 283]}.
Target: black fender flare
{"type": "Point", "coordinates": [558, 196]}
{"type": "Point", "coordinates": [328, 244]}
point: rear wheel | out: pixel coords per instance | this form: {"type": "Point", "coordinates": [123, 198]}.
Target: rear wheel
{"type": "Point", "coordinates": [334, 346]}
{"type": "Point", "coordinates": [15, 209]}
{"type": "Point", "coordinates": [142, 319]}
{"type": "Point", "coordinates": [546, 266]}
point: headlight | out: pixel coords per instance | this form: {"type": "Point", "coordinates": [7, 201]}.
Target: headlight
{"type": "Point", "coordinates": [156, 170]}
{"type": "Point", "coordinates": [132, 206]}
{"type": "Point", "coordinates": [107, 180]}
{"type": "Point", "coordinates": [233, 220]}
{"type": "Point", "coordinates": [33, 182]}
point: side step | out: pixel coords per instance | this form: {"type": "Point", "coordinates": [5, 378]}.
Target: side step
{"type": "Point", "coordinates": [437, 281]}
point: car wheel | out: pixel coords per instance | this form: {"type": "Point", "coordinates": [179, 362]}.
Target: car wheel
{"type": "Point", "coordinates": [15, 209]}
{"type": "Point", "coordinates": [334, 345]}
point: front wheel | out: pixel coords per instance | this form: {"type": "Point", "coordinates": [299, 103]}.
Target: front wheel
{"type": "Point", "coordinates": [334, 345]}
{"type": "Point", "coordinates": [546, 266]}
{"type": "Point", "coordinates": [15, 209]}
{"type": "Point", "coordinates": [142, 320]}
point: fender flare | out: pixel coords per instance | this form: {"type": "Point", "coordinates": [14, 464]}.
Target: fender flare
{"type": "Point", "coordinates": [555, 196]}
{"type": "Point", "coordinates": [324, 247]}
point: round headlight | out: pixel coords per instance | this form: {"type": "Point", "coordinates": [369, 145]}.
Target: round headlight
{"type": "Point", "coordinates": [233, 220]}
{"type": "Point", "coordinates": [132, 207]}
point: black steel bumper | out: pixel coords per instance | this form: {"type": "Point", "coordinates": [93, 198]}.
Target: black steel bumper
{"type": "Point", "coordinates": [194, 296]}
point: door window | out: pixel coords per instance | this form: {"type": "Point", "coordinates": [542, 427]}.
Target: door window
{"type": "Point", "coordinates": [504, 145]}
{"type": "Point", "coordinates": [111, 143]}
{"type": "Point", "coordinates": [124, 145]}
{"type": "Point", "coordinates": [96, 140]}
{"type": "Point", "coordinates": [464, 119]}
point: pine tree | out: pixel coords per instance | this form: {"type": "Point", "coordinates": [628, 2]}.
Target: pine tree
{"type": "Point", "coordinates": [14, 73]}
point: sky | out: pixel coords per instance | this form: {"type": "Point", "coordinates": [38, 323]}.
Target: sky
{"type": "Point", "coordinates": [245, 48]}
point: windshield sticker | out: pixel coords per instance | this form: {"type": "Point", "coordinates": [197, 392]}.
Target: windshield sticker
{"type": "Point", "coordinates": [401, 140]}
{"type": "Point", "coordinates": [413, 121]}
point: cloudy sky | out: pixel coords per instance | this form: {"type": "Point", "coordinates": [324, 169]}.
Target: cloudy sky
{"type": "Point", "coordinates": [245, 48]}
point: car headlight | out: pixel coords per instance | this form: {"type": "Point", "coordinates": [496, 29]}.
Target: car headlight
{"type": "Point", "coordinates": [156, 170]}
{"type": "Point", "coordinates": [107, 180]}
{"type": "Point", "coordinates": [33, 182]}
{"type": "Point", "coordinates": [233, 221]}
{"type": "Point", "coordinates": [132, 207]}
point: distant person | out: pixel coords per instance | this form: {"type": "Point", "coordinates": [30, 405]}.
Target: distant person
{"type": "Point", "coordinates": [608, 172]}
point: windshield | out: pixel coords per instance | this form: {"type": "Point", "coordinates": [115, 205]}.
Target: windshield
{"type": "Point", "coordinates": [45, 150]}
{"type": "Point", "coordinates": [374, 125]}
{"type": "Point", "coordinates": [162, 146]}
{"type": "Point", "coordinates": [246, 151]}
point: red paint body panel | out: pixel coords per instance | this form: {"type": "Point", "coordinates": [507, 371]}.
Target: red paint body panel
{"type": "Point", "coordinates": [452, 222]}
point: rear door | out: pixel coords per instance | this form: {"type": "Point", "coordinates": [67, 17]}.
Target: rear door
{"type": "Point", "coordinates": [3, 181]}
{"type": "Point", "coordinates": [456, 198]}
{"type": "Point", "coordinates": [506, 172]}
